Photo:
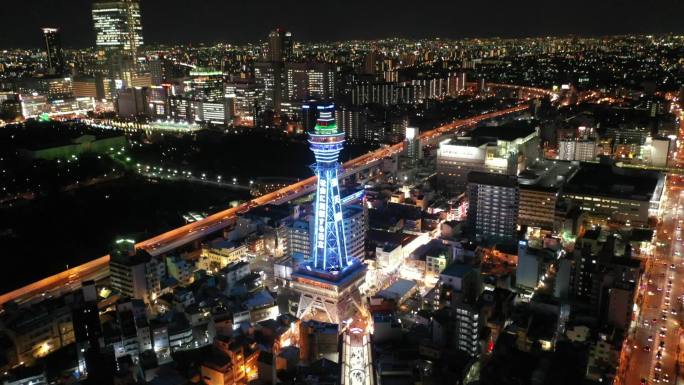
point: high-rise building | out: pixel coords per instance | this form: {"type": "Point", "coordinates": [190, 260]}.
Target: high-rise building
{"type": "Point", "coordinates": [135, 273]}
{"type": "Point", "coordinates": [352, 121]}
{"type": "Point", "coordinates": [279, 45]}
{"type": "Point", "coordinates": [215, 112]}
{"type": "Point", "coordinates": [468, 327]}
{"type": "Point", "coordinates": [53, 49]}
{"type": "Point", "coordinates": [309, 80]}
{"type": "Point", "coordinates": [540, 189]}
{"type": "Point", "coordinates": [493, 201]}
{"type": "Point", "coordinates": [118, 25]}
{"type": "Point", "coordinates": [244, 99]}
{"type": "Point", "coordinates": [205, 84]}
{"type": "Point", "coordinates": [328, 284]}
{"type": "Point", "coordinates": [372, 63]}
{"type": "Point", "coordinates": [268, 78]}
{"type": "Point", "coordinates": [414, 149]}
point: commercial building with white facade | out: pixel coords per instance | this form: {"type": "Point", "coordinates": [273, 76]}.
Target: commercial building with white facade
{"type": "Point", "coordinates": [505, 149]}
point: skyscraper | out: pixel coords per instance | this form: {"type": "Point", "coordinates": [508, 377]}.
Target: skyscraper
{"type": "Point", "coordinates": [329, 283]}
{"type": "Point", "coordinates": [268, 78]}
{"type": "Point", "coordinates": [53, 49]}
{"type": "Point", "coordinates": [309, 80]}
{"type": "Point", "coordinates": [279, 45]}
{"type": "Point", "coordinates": [118, 25]}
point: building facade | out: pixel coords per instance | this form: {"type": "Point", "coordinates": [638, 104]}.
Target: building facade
{"type": "Point", "coordinates": [493, 202]}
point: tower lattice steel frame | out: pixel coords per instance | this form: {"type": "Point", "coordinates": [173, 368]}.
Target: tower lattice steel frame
{"type": "Point", "coordinates": [329, 248]}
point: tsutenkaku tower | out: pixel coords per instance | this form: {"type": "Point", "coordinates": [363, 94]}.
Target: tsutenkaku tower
{"type": "Point", "coordinates": [329, 248]}
{"type": "Point", "coordinates": [329, 283]}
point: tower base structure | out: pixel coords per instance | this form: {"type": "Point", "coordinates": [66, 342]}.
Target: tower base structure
{"type": "Point", "coordinates": [329, 297]}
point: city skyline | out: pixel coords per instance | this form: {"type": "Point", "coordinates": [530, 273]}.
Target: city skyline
{"type": "Point", "coordinates": [212, 21]}
{"type": "Point", "coordinates": [346, 193]}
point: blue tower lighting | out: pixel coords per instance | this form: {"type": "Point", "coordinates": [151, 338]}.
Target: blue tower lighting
{"type": "Point", "coordinates": [328, 284]}
{"type": "Point", "coordinates": [329, 248]}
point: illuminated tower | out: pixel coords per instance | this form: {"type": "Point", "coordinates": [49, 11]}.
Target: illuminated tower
{"type": "Point", "coordinates": [329, 249]}
{"type": "Point", "coordinates": [329, 283]}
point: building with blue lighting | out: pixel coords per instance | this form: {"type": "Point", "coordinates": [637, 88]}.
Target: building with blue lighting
{"type": "Point", "coordinates": [329, 282]}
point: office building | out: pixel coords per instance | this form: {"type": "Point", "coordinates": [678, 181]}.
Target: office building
{"type": "Point", "coordinates": [216, 112]}
{"type": "Point", "coordinates": [386, 93]}
{"type": "Point", "coordinates": [504, 149]}
{"type": "Point", "coordinates": [244, 97]}
{"type": "Point", "coordinates": [183, 109]}
{"type": "Point", "coordinates": [88, 86]}
{"type": "Point", "coordinates": [53, 50]}
{"type": "Point", "coordinates": [633, 134]}
{"type": "Point", "coordinates": [328, 285]}
{"type": "Point", "coordinates": [33, 106]}
{"type": "Point", "coordinates": [606, 192]}
{"type": "Point", "coordinates": [309, 80]}
{"type": "Point", "coordinates": [135, 273]}
{"type": "Point", "coordinates": [130, 103]}
{"type": "Point", "coordinates": [540, 191]}
{"type": "Point", "coordinates": [279, 45]}
{"type": "Point", "coordinates": [493, 201]}
{"type": "Point", "coordinates": [118, 25]}
{"type": "Point", "coordinates": [150, 102]}
{"type": "Point", "coordinates": [460, 324]}
{"type": "Point", "coordinates": [372, 63]}
{"type": "Point", "coordinates": [268, 79]}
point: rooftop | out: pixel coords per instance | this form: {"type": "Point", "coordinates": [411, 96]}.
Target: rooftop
{"type": "Point", "coordinates": [456, 269]}
{"type": "Point", "coordinates": [492, 179]}
{"type": "Point", "coordinates": [614, 182]}
{"type": "Point", "coordinates": [508, 132]}
{"type": "Point", "coordinates": [547, 175]}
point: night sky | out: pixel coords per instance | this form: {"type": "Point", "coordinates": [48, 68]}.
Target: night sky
{"type": "Point", "coordinates": [237, 21]}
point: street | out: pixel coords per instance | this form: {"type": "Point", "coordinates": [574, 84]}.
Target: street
{"type": "Point", "coordinates": [652, 352]}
